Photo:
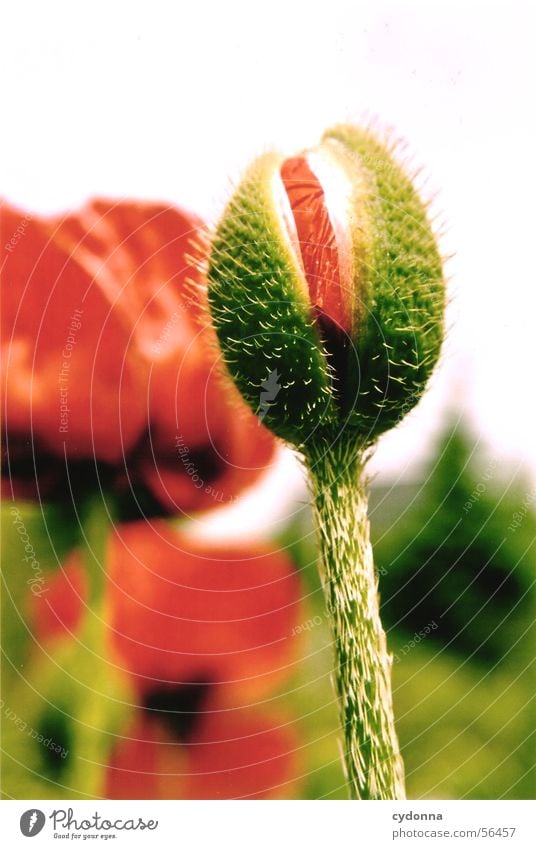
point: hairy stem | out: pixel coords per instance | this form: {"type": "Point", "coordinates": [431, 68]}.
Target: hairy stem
{"type": "Point", "coordinates": [362, 664]}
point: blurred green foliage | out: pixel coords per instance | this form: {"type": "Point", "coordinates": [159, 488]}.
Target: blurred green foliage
{"type": "Point", "coordinates": [64, 700]}
{"type": "Point", "coordinates": [35, 540]}
{"type": "Point", "coordinates": [454, 557]}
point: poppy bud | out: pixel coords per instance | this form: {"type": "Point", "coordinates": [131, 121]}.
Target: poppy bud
{"type": "Point", "coordinates": [325, 273]}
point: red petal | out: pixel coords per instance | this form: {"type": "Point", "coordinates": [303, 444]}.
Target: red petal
{"type": "Point", "coordinates": [66, 380]}
{"type": "Point", "coordinates": [241, 754]}
{"type": "Point", "coordinates": [220, 460]}
{"type": "Point", "coordinates": [108, 354]}
{"type": "Point", "coordinates": [147, 262]}
{"type": "Point", "coordinates": [236, 754]}
{"type": "Point", "coordinates": [184, 612]}
{"type": "Point", "coordinates": [60, 607]}
{"type": "Point", "coordinates": [132, 772]}
{"type": "Point", "coordinates": [318, 243]}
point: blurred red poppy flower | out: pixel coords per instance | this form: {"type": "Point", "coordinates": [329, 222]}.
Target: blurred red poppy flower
{"type": "Point", "coordinates": [109, 369]}
{"type": "Point", "coordinates": [236, 754]}
{"type": "Point", "coordinates": [184, 612]}
{"type": "Point", "coordinates": [202, 630]}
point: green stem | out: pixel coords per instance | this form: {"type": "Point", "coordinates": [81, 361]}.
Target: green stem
{"type": "Point", "coordinates": [72, 690]}
{"type": "Point", "coordinates": [95, 524]}
{"type": "Point", "coordinates": [363, 666]}
{"type": "Point", "coordinates": [93, 710]}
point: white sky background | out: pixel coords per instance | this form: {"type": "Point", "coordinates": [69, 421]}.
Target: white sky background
{"type": "Point", "coordinates": [170, 100]}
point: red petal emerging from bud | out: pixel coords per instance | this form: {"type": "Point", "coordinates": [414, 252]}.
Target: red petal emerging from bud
{"type": "Point", "coordinates": [320, 252]}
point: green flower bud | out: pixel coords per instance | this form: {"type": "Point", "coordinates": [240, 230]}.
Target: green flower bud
{"type": "Point", "coordinates": [327, 291]}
